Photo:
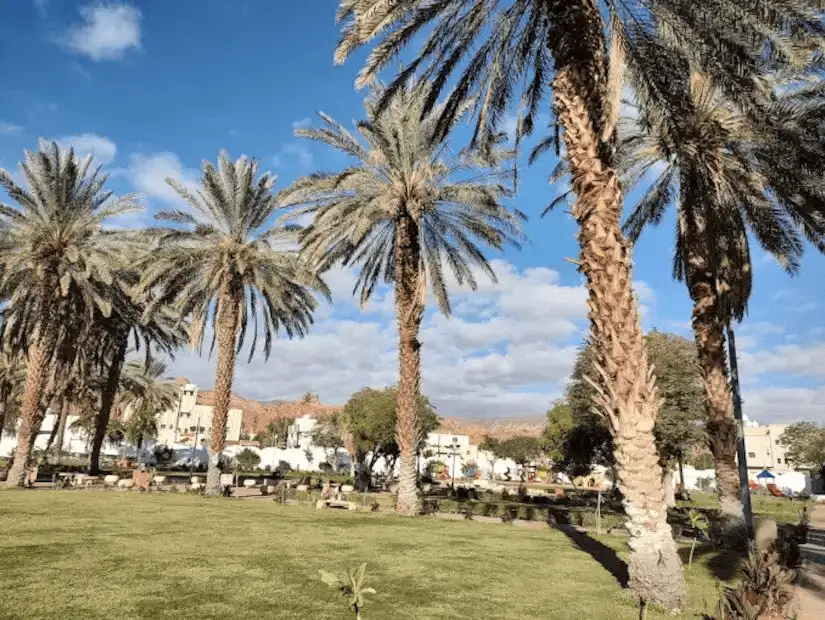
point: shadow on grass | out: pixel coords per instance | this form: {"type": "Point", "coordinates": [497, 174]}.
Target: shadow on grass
{"type": "Point", "coordinates": [723, 563]}
{"type": "Point", "coordinates": [600, 552]}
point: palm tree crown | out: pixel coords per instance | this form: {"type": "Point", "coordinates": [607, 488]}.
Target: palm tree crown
{"type": "Point", "coordinates": [501, 51]}
{"type": "Point", "coordinates": [143, 385]}
{"type": "Point", "coordinates": [226, 245]}
{"type": "Point", "coordinates": [403, 169]}
{"type": "Point", "coordinates": [53, 242]}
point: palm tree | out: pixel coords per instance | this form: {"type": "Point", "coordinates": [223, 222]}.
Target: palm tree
{"type": "Point", "coordinates": [225, 261]}
{"type": "Point", "coordinates": [406, 210]}
{"type": "Point", "coordinates": [143, 393]}
{"type": "Point", "coordinates": [503, 51]}
{"type": "Point", "coordinates": [56, 252]}
{"type": "Point", "coordinates": [143, 384]}
{"type": "Point", "coordinates": [157, 330]}
{"type": "Point", "coordinates": [712, 168]}
{"type": "Point", "coordinates": [12, 377]}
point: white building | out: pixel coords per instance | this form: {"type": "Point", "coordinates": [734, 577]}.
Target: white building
{"type": "Point", "coordinates": [764, 450]}
{"type": "Point", "coordinates": [75, 440]}
{"type": "Point", "coordinates": [188, 422]}
{"type": "Point", "coordinates": [299, 434]}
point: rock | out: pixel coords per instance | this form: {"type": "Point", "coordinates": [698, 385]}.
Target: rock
{"type": "Point", "coordinates": [303, 488]}
{"type": "Point", "coordinates": [111, 480]}
{"type": "Point", "coordinates": [347, 488]}
{"type": "Point", "coordinates": [269, 489]}
{"type": "Point", "coordinates": [196, 486]}
{"type": "Point", "coordinates": [249, 483]}
{"type": "Point", "coordinates": [159, 479]}
{"type": "Point", "coordinates": [765, 532]}
{"type": "Point", "coordinates": [195, 479]}
{"type": "Point", "coordinates": [126, 483]}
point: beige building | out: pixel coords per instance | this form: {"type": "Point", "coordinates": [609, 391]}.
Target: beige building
{"type": "Point", "coordinates": [188, 421]}
{"type": "Point", "coordinates": [763, 448]}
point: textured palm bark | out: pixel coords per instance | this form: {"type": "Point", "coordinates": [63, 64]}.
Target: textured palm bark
{"type": "Point", "coordinates": [61, 430]}
{"type": "Point", "coordinates": [629, 399]}
{"type": "Point", "coordinates": [31, 410]}
{"type": "Point", "coordinates": [708, 331]}
{"type": "Point", "coordinates": [226, 333]}
{"type": "Point", "coordinates": [107, 400]}
{"type": "Point", "coordinates": [409, 312]}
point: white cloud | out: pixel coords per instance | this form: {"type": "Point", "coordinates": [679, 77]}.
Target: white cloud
{"type": "Point", "coordinates": [784, 405]}
{"type": "Point", "coordinates": [148, 174]}
{"type": "Point", "coordinates": [108, 31]}
{"type": "Point", "coordinates": [100, 147]}
{"type": "Point", "coordinates": [293, 153]}
{"type": "Point", "coordinates": [10, 129]}
{"type": "Point", "coordinates": [790, 359]}
{"type": "Point", "coordinates": [304, 122]}
{"type": "Point", "coordinates": [506, 351]}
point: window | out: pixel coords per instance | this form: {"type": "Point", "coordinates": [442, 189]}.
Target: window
{"type": "Point", "coordinates": [751, 455]}
{"type": "Point", "coordinates": [192, 428]}
{"type": "Point", "coordinates": [201, 429]}
{"type": "Point", "coordinates": [779, 461]}
{"type": "Point", "coordinates": [163, 426]}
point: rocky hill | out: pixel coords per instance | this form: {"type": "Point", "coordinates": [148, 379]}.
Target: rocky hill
{"type": "Point", "coordinates": [257, 414]}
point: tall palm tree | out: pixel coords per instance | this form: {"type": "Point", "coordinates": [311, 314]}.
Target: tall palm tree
{"type": "Point", "coordinates": [502, 51]}
{"type": "Point", "coordinates": [226, 262]}
{"type": "Point", "coordinates": [12, 377]}
{"type": "Point", "coordinates": [143, 384]}
{"type": "Point", "coordinates": [712, 169]}
{"type": "Point", "coordinates": [158, 330]}
{"type": "Point", "coordinates": [405, 211]}
{"type": "Point", "coordinates": [55, 252]}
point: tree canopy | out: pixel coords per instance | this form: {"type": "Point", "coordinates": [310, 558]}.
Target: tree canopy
{"type": "Point", "coordinates": [369, 415]}
{"type": "Point", "coordinates": [576, 437]}
{"type": "Point", "coordinates": [522, 449]}
{"type": "Point", "coordinates": [805, 444]}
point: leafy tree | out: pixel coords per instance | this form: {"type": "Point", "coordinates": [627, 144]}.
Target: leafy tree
{"type": "Point", "coordinates": [406, 209]}
{"type": "Point", "coordinates": [678, 428]}
{"type": "Point", "coordinates": [370, 416]}
{"type": "Point", "coordinates": [327, 435]}
{"type": "Point", "coordinates": [59, 262]}
{"type": "Point", "coordinates": [224, 262]}
{"type": "Point", "coordinates": [140, 424]}
{"type": "Point", "coordinates": [805, 445]}
{"type": "Point", "coordinates": [490, 445]}
{"type": "Point", "coordinates": [559, 424]}
{"type": "Point", "coordinates": [499, 52]}
{"type": "Point", "coordinates": [247, 459]}
{"type": "Point", "coordinates": [726, 177]}
{"type": "Point", "coordinates": [521, 449]}
{"type": "Point", "coordinates": [275, 434]}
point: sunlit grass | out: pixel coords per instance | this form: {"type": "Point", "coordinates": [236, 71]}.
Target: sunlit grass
{"type": "Point", "coordinates": [94, 555]}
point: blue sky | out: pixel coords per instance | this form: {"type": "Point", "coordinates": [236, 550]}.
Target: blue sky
{"type": "Point", "coordinates": [152, 89]}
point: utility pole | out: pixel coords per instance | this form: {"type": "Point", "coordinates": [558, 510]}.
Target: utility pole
{"type": "Point", "coordinates": [742, 455]}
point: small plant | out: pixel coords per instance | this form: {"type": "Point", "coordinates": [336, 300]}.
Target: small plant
{"type": "Point", "coordinates": [699, 523]}
{"type": "Point", "coordinates": [509, 515]}
{"type": "Point", "coordinates": [351, 587]}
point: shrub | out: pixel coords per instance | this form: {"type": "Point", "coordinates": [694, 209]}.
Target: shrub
{"type": "Point", "coordinates": [351, 587]}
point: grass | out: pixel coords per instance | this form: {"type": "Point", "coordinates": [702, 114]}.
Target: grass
{"type": "Point", "coordinates": [782, 510]}
{"type": "Point", "coordinates": [96, 555]}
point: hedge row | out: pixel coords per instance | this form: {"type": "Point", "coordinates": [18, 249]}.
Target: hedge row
{"type": "Point", "coordinates": [526, 512]}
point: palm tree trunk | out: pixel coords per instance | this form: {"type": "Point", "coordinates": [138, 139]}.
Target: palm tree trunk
{"type": "Point", "coordinates": [107, 399]}
{"type": "Point", "coordinates": [409, 311]}
{"type": "Point", "coordinates": [61, 431]}
{"type": "Point", "coordinates": [667, 483]}
{"type": "Point", "coordinates": [226, 333]}
{"type": "Point", "coordinates": [4, 398]}
{"type": "Point", "coordinates": [31, 411]}
{"type": "Point", "coordinates": [708, 330]}
{"type": "Point", "coordinates": [628, 397]}
{"type": "Point", "coordinates": [53, 433]}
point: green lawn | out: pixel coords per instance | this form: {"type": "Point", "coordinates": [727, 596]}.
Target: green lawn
{"type": "Point", "coordinates": [89, 555]}
{"type": "Point", "coordinates": [782, 510]}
